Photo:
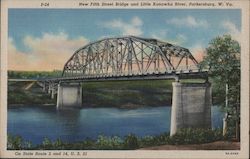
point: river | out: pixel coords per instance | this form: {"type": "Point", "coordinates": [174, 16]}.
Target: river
{"type": "Point", "coordinates": [34, 123]}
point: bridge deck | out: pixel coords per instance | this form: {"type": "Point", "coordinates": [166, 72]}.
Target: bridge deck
{"type": "Point", "coordinates": [22, 80]}
{"type": "Point", "coordinates": [188, 74]}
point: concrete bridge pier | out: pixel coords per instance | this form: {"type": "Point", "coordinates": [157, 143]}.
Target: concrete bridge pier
{"type": "Point", "coordinates": [191, 106]}
{"type": "Point", "coordinates": [53, 91]}
{"type": "Point", "coordinates": [44, 86]}
{"type": "Point", "coordinates": [49, 88]}
{"type": "Point", "coordinates": [69, 95]}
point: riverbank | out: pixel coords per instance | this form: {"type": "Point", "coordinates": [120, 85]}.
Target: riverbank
{"type": "Point", "coordinates": [119, 94]}
{"type": "Point", "coordinates": [27, 93]}
{"type": "Point", "coordinates": [217, 145]}
{"type": "Point", "coordinates": [184, 139]}
{"type": "Point", "coordinates": [125, 94]}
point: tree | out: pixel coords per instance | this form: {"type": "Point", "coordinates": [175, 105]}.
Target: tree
{"type": "Point", "coordinates": [223, 61]}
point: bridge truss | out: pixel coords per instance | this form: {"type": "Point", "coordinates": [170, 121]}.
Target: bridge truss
{"type": "Point", "coordinates": [129, 56]}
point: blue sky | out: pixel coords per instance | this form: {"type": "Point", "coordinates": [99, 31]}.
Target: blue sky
{"type": "Point", "coordinates": [190, 28]}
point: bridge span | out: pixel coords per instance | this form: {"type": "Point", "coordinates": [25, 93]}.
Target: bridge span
{"type": "Point", "coordinates": [136, 58]}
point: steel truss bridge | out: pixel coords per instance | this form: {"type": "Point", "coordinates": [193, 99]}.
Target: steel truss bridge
{"type": "Point", "coordinates": [130, 58]}
{"type": "Point", "coordinates": [135, 58]}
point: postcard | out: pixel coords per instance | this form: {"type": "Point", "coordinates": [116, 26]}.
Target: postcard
{"type": "Point", "coordinates": [124, 79]}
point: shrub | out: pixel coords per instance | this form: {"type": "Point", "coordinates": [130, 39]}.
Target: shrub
{"type": "Point", "coordinates": [14, 142]}
{"type": "Point", "coordinates": [195, 136]}
{"type": "Point", "coordinates": [131, 142]}
{"type": "Point", "coordinates": [87, 144]}
{"type": "Point", "coordinates": [27, 145]}
{"type": "Point", "coordinates": [108, 143]}
{"type": "Point", "coordinates": [162, 139]}
{"type": "Point", "coordinates": [46, 143]}
{"type": "Point", "coordinates": [231, 126]}
{"type": "Point", "coordinates": [147, 141]}
{"type": "Point", "coordinates": [58, 144]}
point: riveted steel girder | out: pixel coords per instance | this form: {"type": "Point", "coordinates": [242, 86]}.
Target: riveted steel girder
{"type": "Point", "coordinates": [128, 55]}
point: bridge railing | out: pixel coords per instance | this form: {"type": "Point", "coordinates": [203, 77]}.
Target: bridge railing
{"type": "Point", "coordinates": [189, 68]}
{"type": "Point", "coordinates": [179, 70]}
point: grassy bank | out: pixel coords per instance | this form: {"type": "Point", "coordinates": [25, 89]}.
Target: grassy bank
{"type": "Point", "coordinates": [127, 93]}
{"type": "Point", "coordinates": [19, 95]}
{"type": "Point", "coordinates": [33, 74]}
{"type": "Point", "coordinates": [123, 94]}
{"type": "Point", "coordinates": [129, 142]}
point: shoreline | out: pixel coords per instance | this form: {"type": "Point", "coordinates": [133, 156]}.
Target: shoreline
{"type": "Point", "coordinates": [125, 106]}
{"type": "Point", "coordinates": [216, 145]}
{"type": "Point", "coordinates": [164, 141]}
{"type": "Point", "coordinates": [24, 105]}
{"type": "Point", "coordinates": [124, 95]}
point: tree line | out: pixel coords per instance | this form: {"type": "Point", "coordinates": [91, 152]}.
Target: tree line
{"type": "Point", "coordinates": [33, 74]}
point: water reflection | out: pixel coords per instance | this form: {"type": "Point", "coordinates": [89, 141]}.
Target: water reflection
{"type": "Point", "coordinates": [69, 121]}
{"type": "Point", "coordinates": [35, 123]}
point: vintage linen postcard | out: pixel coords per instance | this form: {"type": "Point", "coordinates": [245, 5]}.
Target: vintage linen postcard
{"type": "Point", "coordinates": [124, 79]}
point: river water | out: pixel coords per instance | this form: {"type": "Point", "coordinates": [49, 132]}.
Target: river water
{"type": "Point", "coordinates": [34, 123]}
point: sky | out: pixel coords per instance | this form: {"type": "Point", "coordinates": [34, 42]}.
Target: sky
{"type": "Point", "coordinates": [44, 39]}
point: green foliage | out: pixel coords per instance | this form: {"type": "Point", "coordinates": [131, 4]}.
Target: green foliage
{"type": "Point", "coordinates": [147, 141]}
{"type": "Point", "coordinates": [33, 74]}
{"type": "Point", "coordinates": [46, 144]}
{"type": "Point", "coordinates": [155, 140]}
{"type": "Point", "coordinates": [231, 129]}
{"type": "Point", "coordinates": [18, 95]}
{"type": "Point", "coordinates": [223, 58]}
{"type": "Point", "coordinates": [108, 143]}
{"type": "Point", "coordinates": [196, 136]}
{"type": "Point", "coordinates": [28, 145]}
{"type": "Point", "coordinates": [87, 144]}
{"type": "Point", "coordinates": [127, 94]}
{"type": "Point", "coordinates": [123, 94]}
{"type": "Point", "coordinates": [129, 142]}
{"type": "Point", "coordinates": [14, 142]}
{"type": "Point", "coordinates": [223, 61]}
{"type": "Point", "coordinates": [17, 143]}
{"type": "Point", "coordinates": [59, 144]}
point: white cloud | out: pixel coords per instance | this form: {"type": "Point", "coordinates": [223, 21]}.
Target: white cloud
{"type": "Point", "coordinates": [188, 21]}
{"type": "Point", "coordinates": [197, 50]}
{"type": "Point", "coordinates": [232, 29]}
{"type": "Point", "coordinates": [162, 35]}
{"type": "Point", "coordinates": [126, 28]}
{"type": "Point", "coordinates": [136, 21]}
{"type": "Point", "coordinates": [49, 52]}
{"type": "Point", "coordinates": [180, 38]}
